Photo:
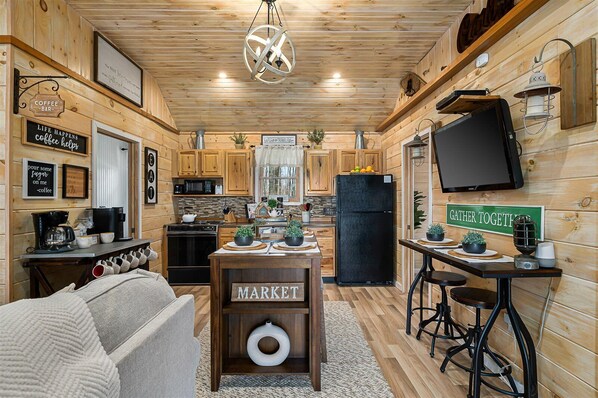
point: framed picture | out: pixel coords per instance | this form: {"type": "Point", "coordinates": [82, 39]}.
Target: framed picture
{"type": "Point", "coordinates": [75, 182]}
{"type": "Point", "coordinates": [151, 176]}
{"type": "Point", "coordinates": [116, 71]}
{"type": "Point", "coordinates": [279, 139]}
{"type": "Point", "coordinates": [40, 179]}
{"type": "Point", "coordinates": [250, 210]}
{"type": "Point", "coordinates": [45, 135]}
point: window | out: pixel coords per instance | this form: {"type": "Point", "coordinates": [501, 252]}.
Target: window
{"type": "Point", "coordinates": [279, 173]}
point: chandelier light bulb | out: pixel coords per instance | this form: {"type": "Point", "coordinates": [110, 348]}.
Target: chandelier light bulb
{"type": "Point", "coordinates": [336, 76]}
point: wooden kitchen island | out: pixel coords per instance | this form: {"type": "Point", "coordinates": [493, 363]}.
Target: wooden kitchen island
{"type": "Point", "coordinates": [232, 322]}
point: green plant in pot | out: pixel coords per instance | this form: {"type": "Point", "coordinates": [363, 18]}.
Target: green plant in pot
{"type": "Point", "coordinates": [244, 236]}
{"type": "Point", "coordinates": [435, 233]}
{"type": "Point", "coordinates": [294, 223]}
{"type": "Point", "coordinates": [316, 137]}
{"type": "Point", "coordinates": [293, 236]}
{"type": "Point", "coordinates": [239, 139]}
{"type": "Point", "coordinates": [473, 242]}
{"type": "Point", "coordinates": [272, 203]}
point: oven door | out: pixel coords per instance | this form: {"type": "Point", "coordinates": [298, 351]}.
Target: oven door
{"type": "Point", "coordinates": [188, 262]}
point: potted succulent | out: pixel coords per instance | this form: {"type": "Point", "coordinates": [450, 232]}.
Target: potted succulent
{"type": "Point", "coordinates": [473, 242]}
{"type": "Point", "coordinates": [294, 223]}
{"type": "Point", "coordinates": [239, 140]}
{"type": "Point", "coordinates": [435, 233]}
{"type": "Point", "coordinates": [244, 236]}
{"type": "Point", "coordinates": [316, 137]}
{"type": "Point", "coordinates": [293, 236]}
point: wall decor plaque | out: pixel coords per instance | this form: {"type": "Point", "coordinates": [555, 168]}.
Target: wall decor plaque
{"type": "Point", "coordinates": [261, 292]}
{"type": "Point", "coordinates": [116, 71]}
{"type": "Point", "coordinates": [75, 182]}
{"type": "Point", "coordinates": [48, 136]}
{"type": "Point", "coordinates": [493, 218]}
{"type": "Point", "coordinates": [39, 179]}
{"type": "Point", "coordinates": [46, 105]}
{"type": "Point", "coordinates": [151, 176]}
{"type": "Point", "coordinates": [279, 139]}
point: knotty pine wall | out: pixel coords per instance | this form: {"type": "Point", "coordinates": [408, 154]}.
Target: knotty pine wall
{"type": "Point", "coordinates": [60, 33]}
{"type": "Point", "coordinates": [4, 211]}
{"type": "Point", "coordinates": [561, 172]}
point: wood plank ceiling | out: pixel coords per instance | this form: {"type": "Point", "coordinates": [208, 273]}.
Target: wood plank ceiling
{"type": "Point", "coordinates": [185, 44]}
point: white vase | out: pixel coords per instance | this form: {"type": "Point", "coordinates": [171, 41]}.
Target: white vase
{"type": "Point", "coordinates": [305, 216]}
{"type": "Point", "coordinates": [275, 332]}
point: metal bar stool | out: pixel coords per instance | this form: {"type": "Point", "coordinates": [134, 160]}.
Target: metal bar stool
{"type": "Point", "coordinates": [480, 299]}
{"type": "Point", "coordinates": [442, 316]}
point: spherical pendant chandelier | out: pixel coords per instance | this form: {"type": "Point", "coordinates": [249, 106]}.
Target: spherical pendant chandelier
{"type": "Point", "coordinates": [269, 52]}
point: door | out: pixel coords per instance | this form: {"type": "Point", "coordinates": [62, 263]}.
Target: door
{"type": "Point", "coordinates": [211, 163]}
{"type": "Point", "coordinates": [372, 158]}
{"type": "Point", "coordinates": [238, 169]}
{"type": "Point", "coordinates": [187, 163]}
{"type": "Point", "coordinates": [318, 173]}
{"type": "Point", "coordinates": [347, 160]}
{"type": "Point", "coordinates": [364, 193]}
{"type": "Point", "coordinates": [112, 183]}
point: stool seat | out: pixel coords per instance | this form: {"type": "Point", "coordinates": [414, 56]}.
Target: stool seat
{"type": "Point", "coordinates": [473, 297]}
{"type": "Point", "coordinates": [444, 278]}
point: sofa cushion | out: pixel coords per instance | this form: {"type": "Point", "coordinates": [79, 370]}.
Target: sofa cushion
{"type": "Point", "coordinates": [121, 304]}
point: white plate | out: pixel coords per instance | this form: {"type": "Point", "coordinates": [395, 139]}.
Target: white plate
{"type": "Point", "coordinates": [255, 243]}
{"type": "Point", "coordinates": [304, 244]}
{"type": "Point", "coordinates": [487, 253]}
{"type": "Point", "coordinates": [445, 240]}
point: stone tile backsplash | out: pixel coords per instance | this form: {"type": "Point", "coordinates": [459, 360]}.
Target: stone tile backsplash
{"type": "Point", "coordinates": [208, 207]}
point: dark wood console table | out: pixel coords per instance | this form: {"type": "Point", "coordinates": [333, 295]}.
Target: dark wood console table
{"type": "Point", "coordinates": [503, 273]}
{"type": "Point", "coordinates": [232, 322]}
{"type": "Point", "coordinates": [83, 258]}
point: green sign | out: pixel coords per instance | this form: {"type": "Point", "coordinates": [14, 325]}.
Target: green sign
{"type": "Point", "coordinates": [496, 219]}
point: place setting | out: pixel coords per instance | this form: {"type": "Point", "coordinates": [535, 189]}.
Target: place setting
{"type": "Point", "coordinates": [435, 238]}
{"type": "Point", "coordinates": [473, 250]}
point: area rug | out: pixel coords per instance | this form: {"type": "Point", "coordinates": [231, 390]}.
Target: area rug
{"type": "Point", "coordinates": [351, 371]}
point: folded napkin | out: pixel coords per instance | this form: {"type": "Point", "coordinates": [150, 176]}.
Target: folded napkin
{"type": "Point", "coordinates": [260, 251]}
{"type": "Point", "coordinates": [433, 246]}
{"type": "Point", "coordinates": [504, 259]}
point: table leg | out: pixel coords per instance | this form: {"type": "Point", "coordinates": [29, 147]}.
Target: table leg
{"type": "Point", "coordinates": [427, 262]}
{"type": "Point", "coordinates": [37, 273]}
{"type": "Point", "coordinates": [85, 275]}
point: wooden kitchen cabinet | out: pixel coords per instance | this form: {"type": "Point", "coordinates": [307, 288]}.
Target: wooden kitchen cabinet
{"type": "Point", "coordinates": [319, 172]}
{"type": "Point", "coordinates": [210, 163]}
{"type": "Point", "coordinates": [226, 234]}
{"type": "Point", "coordinates": [349, 158]}
{"type": "Point", "coordinates": [238, 178]}
{"type": "Point", "coordinates": [371, 157]}
{"type": "Point", "coordinates": [187, 163]}
{"type": "Point", "coordinates": [326, 237]}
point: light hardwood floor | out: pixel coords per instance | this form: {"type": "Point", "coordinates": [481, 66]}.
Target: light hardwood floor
{"type": "Point", "coordinates": [405, 361]}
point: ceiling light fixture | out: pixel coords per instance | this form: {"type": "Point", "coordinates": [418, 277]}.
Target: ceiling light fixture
{"type": "Point", "coordinates": [336, 76]}
{"type": "Point", "coordinates": [268, 47]}
{"type": "Point", "coordinates": [222, 75]}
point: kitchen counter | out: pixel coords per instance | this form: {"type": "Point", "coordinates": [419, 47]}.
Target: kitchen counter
{"type": "Point", "coordinates": [99, 250]}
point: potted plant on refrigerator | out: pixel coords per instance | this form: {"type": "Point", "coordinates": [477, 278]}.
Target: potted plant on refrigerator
{"type": "Point", "coordinates": [239, 139]}
{"type": "Point", "coordinates": [293, 236]}
{"type": "Point", "coordinates": [244, 236]}
{"type": "Point", "coordinates": [316, 137]}
{"type": "Point", "coordinates": [435, 233]}
{"type": "Point", "coordinates": [473, 242]}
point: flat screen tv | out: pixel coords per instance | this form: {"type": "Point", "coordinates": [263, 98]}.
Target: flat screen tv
{"type": "Point", "coordinates": [478, 152]}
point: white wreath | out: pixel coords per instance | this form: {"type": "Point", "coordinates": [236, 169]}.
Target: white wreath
{"type": "Point", "coordinates": [277, 333]}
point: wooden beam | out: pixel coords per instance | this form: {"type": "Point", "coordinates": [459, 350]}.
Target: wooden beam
{"type": "Point", "coordinates": [7, 39]}
{"type": "Point", "coordinates": [510, 21]}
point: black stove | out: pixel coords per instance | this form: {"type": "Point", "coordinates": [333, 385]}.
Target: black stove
{"type": "Point", "coordinates": [201, 227]}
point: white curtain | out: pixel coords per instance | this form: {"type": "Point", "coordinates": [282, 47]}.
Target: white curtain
{"type": "Point", "coordinates": [291, 156]}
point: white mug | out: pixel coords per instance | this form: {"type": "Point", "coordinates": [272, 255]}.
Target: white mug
{"type": "Point", "coordinates": [151, 254]}
{"type": "Point", "coordinates": [142, 257]}
{"type": "Point", "coordinates": [115, 266]}
{"type": "Point", "coordinates": [133, 261]}
{"type": "Point", "coordinates": [101, 269]}
{"type": "Point", "coordinates": [122, 263]}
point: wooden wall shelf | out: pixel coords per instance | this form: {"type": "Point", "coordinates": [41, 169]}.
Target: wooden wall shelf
{"type": "Point", "coordinates": [468, 103]}
{"type": "Point", "coordinates": [510, 21]}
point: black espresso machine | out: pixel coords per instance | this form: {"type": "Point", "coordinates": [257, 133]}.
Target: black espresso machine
{"type": "Point", "coordinates": [52, 231]}
{"type": "Point", "coordinates": [109, 219]}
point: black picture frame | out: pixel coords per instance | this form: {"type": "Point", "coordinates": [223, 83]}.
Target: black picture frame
{"type": "Point", "coordinates": [151, 176]}
{"type": "Point", "coordinates": [98, 36]}
{"type": "Point", "coordinates": [66, 169]}
{"type": "Point", "coordinates": [38, 174]}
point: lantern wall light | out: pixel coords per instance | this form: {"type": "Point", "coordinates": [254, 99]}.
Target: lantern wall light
{"type": "Point", "coordinates": [418, 146]}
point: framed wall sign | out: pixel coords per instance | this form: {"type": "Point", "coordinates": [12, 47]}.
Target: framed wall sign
{"type": "Point", "coordinates": [260, 292]}
{"type": "Point", "coordinates": [116, 71]}
{"type": "Point", "coordinates": [46, 105]}
{"type": "Point", "coordinates": [48, 136]}
{"type": "Point", "coordinates": [151, 176]}
{"type": "Point", "coordinates": [39, 179]}
{"type": "Point", "coordinates": [279, 139]}
{"type": "Point", "coordinates": [75, 182]}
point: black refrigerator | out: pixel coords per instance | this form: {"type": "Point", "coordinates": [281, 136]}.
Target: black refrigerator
{"type": "Point", "coordinates": [364, 229]}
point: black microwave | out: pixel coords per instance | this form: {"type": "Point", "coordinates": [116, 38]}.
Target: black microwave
{"type": "Point", "coordinates": [199, 187]}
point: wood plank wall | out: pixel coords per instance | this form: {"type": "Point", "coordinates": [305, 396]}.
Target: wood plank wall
{"type": "Point", "coordinates": [63, 35]}
{"type": "Point", "coordinates": [561, 172]}
{"type": "Point", "coordinates": [4, 116]}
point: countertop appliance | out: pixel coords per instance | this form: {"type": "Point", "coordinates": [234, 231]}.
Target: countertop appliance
{"type": "Point", "coordinates": [364, 229]}
{"type": "Point", "coordinates": [109, 219]}
{"type": "Point", "coordinates": [189, 245]}
{"type": "Point", "coordinates": [52, 234]}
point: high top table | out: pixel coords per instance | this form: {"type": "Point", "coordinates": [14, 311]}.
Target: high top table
{"type": "Point", "coordinates": [503, 273]}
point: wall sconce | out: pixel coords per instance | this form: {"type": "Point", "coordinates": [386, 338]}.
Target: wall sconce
{"type": "Point", "coordinates": [418, 146]}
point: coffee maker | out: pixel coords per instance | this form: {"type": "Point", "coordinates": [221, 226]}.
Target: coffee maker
{"type": "Point", "coordinates": [109, 219]}
{"type": "Point", "coordinates": [52, 232]}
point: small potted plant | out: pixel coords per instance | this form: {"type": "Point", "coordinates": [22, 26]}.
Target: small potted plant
{"type": "Point", "coordinates": [435, 233]}
{"type": "Point", "coordinates": [473, 242]}
{"type": "Point", "coordinates": [239, 140]}
{"type": "Point", "coordinates": [244, 236]}
{"type": "Point", "coordinates": [294, 223]}
{"type": "Point", "coordinates": [316, 137]}
{"type": "Point", "coordinates": [293, 236]}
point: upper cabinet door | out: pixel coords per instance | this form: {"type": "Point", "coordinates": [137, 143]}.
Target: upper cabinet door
{"type": "Point", "coordinates": [371, 157]}
{"type": "Point", "coordinates": [187, 161]}
{"type": "Point", "coordinates": [211, 163]}
{"type": "Point", "coordinates": [347, 160]}
{"type": "Point", "coordinates": [238, 179]}
{"type": "Point", "coordinates": [319, 173]}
